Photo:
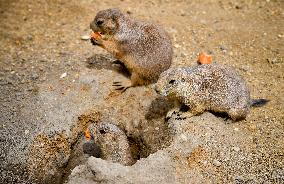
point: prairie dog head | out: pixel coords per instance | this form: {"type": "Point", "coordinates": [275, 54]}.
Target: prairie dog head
{"type": "Point", "coordinates": [172, 83]}
{"type": "Point", "coordinates": [106, 21]}
{"type": "Point", "coordinates": [106, 131]}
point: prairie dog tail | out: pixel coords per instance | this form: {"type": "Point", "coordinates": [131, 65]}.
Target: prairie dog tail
{"type": "Point", "coordinates": [258, 102]}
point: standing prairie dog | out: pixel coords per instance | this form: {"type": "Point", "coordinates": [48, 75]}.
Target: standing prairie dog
{"type": "Point", "coordinates": [211, 87]}
{"type": "Point", "coordinates": [144, 48]}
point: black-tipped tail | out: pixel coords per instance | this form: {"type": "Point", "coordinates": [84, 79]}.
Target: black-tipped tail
{"type": "Point", "coordinates": [259, 102]}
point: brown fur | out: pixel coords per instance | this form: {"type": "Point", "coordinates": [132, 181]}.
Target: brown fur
{"type": "Point", "coordinates": [112, 142]}
{"type": "Point", "coordinates": [145, 49]}
{"type": "Point", "coordinates": [210, 87]}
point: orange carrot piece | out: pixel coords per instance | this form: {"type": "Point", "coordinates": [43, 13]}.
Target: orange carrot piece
{"type": "Point", "coordinates": [87, 134]}
{"type": "Point", "coordinates": [204, 58]}
{"type": "Point", "coordinates": [96, 35]}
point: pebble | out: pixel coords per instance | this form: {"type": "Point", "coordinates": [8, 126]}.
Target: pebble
{"type": "Point", "coordinates": [85, 37]}
{"type": "Point", "coordinates": [63, 75]}
{"type": "Point", "coordinates": [237, 149]}
{"type": "Point", "coordinates": [29, 37]}
{"type": "Point", "coordinates": [223, 48]}
{"type": "Point", "coordinates": [34, 76]}
{"type": "Point", "coordinates": [239, 179]}
{"type": "Point", "coordinates": [272, 61]}
{"type": "Point", "coordinates": [216, 163]}
{"type": "Point", "coordinates": [245, 68]}
{"type": "Point", "coordinates": [177, 46]}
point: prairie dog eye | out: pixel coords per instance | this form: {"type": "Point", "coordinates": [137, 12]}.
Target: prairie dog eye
{"type": "Point", "coordinates": [172, 81]}
{"type": "Point", "coordinates": [182, 80]}
{"type": "Point", "coordinates": [99, 22]}
{"type": "Point", "coordinates": [102, 131]}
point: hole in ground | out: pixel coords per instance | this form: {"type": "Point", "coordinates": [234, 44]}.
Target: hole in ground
{"type": "Point", "coordinates": [141, 145]}
{"type": "Point", "coordinates": [149, 137]}
{"type": "Point", "coordinates": [136, 147]}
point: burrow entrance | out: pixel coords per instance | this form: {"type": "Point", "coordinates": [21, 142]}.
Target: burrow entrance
{"type": "Point", "coordinates": [53, 158]}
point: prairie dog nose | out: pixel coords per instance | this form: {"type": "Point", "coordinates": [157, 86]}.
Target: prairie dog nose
{"type": "Point", "coordinates": [157, 90]}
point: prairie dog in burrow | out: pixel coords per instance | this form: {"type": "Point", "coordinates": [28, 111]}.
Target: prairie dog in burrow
{"type": "Point", "coordinates": [144, 48]}
{"type": "Point", "coordinates": [211, 87]}
{"type": "Point", "coordinates": [112, 143]}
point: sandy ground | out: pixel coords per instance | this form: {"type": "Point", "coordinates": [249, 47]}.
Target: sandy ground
{"type": "Point", "coordinates": [43, 116]}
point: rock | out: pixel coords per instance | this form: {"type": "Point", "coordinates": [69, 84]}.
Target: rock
{"type": "Point", "coordinates": [63, 75]}
{"type": "Point", "coordinates": [85, 37]}
{"type": "Point", "coordinates": [34, 76]}
{"type": "Point", "coordinates": [239, 179]}
{"type": "Point", "coordinates": [30, 37]}
{"type": "Point", "coordinates": [177, 46]}
{"type": "Point", "coordinates": [245, 68]}
{"type": "Point", "coordinates": [216, 163]}
{"type": "Point", "coordinates": [272, 61]}
{"type": "Point", "coordinates": [223, 48]}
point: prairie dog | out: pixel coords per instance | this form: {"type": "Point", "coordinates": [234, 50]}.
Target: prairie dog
{"type": "Point", "coordinates": [211, 87]}
{"type": "Point", "coordinates": [144, 48]}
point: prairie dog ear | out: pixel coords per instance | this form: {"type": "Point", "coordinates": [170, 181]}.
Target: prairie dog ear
{"type": "Point", "coordinates": [116, 11]}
